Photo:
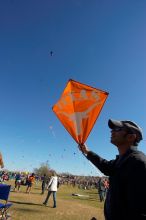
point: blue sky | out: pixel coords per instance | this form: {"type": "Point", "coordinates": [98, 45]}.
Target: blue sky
{"type": "Point", "coordinates": [98, 43]}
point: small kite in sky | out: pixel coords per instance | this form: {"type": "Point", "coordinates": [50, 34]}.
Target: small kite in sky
{"type": "Point", "coordinates": [51, 53]}
{"type": "Point", "coordinates": [78, 109]}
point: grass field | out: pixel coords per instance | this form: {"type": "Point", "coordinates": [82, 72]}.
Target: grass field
{"type": "Point", "coordinates": [29, 206]}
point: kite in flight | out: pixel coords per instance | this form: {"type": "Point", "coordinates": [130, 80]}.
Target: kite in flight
{"type": "Point", "coordinates": [51, 53]}
{"type": "Point", "coordinates": [78, 109]}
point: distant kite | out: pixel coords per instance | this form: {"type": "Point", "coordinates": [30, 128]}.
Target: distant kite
{"type": "Point", "coordinates": [51, 53]}
{"type": "Point", "coordinates": [78, 109]}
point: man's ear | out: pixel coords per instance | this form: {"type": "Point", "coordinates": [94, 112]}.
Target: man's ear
{"type": "Point", "coordinates": [132, 137]}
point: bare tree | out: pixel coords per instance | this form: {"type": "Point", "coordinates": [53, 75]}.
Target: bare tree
{"type": "Point", "coordinates": [43, 169]}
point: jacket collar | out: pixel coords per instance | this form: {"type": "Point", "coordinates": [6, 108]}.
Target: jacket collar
{"type": "Point", "coordinates": [120, 159]}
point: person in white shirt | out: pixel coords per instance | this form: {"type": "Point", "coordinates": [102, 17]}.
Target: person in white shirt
{"type": "Point", "coordinates": [52, 189]}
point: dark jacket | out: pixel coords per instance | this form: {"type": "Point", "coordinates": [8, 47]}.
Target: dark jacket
{"type": "Point", "coordinates": [126, 199]}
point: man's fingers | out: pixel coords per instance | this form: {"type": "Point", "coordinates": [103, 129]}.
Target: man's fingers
{"type": "Point", "coordinates": [81, 147]}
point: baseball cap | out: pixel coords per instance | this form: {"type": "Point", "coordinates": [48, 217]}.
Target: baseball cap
{"type": "Point", "coordinates": [129, 125]}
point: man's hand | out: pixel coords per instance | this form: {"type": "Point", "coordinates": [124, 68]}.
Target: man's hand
{"type": "Point", "coordinates": [83, 148]}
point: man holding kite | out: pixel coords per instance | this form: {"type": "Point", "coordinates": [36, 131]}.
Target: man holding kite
{"type": "Point", "coordinates": [126, 198]}
{"type": "Point", "coordinates": [78, 109]}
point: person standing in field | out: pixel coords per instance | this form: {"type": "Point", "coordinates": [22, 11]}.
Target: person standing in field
{"type": "Point", "coordinates": [44, 181]}
{"type": "Point", "coordinates": [101, 189]}
{"type": "Point", "coordinates": [30, 182]}
{"type": "Point", "coordinates": [17, 181]}
{"type": "Point", "coordinates": [126, 196]}
{"type": "Point", "coordinates": [52, 189]}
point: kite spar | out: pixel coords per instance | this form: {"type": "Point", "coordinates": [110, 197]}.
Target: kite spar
{"type": "Point", "coordinates": [78, 109]}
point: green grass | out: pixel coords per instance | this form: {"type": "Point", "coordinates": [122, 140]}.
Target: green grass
{"type": "Point", "coordinates": [91, 197]}
{"type": "Point", "coordinates": [29, 206]}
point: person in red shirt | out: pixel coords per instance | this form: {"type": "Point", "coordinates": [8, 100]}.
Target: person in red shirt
{"type": "Point", "coordinates": [30, 182]}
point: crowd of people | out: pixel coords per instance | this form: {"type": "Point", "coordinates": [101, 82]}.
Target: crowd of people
{"type": "Point", "coordinates": [52, 183]}
{"type": "Point", "coordinates": [21, 179]}
{"type": "Point", "coordinates": [82, 182]}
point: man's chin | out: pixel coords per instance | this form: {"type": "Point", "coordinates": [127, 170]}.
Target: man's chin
{"type": "Point", "coordinates": [112, 141]}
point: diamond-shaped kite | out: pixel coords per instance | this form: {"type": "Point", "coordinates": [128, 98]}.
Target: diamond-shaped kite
{"type": "Point", "coordinates": [78, 109]}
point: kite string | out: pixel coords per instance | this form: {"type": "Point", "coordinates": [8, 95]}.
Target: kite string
{"type": "Point", "coordinates": [98, 171]}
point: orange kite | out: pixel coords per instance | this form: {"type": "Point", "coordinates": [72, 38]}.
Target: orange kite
{"type": "Point", "coordinates": [78, 109]}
